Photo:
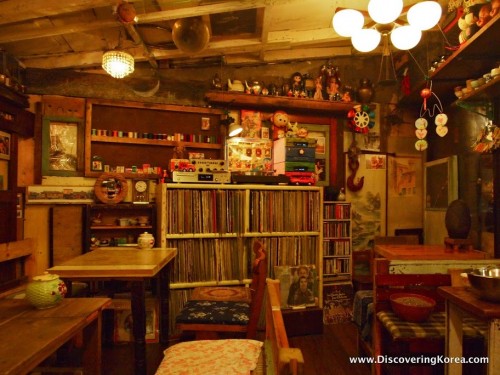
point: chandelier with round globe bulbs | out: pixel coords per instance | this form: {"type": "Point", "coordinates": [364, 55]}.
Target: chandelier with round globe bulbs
{"type": "Point", "coordinates": [385, 13]}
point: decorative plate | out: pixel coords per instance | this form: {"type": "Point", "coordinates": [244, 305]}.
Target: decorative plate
{"type": "Point", "coordinates": [111, 188]}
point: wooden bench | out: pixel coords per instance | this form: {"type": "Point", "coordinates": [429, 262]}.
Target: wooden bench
{"type": "Point", "coordinates": [273, 356]}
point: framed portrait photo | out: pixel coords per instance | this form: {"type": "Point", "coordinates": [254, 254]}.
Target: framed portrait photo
{"type": "Point", "coordinates": [62, 146]}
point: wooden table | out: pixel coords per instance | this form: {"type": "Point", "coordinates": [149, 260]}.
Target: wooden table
{"type": "Point", "coordinates": [425, 252]}
{"type": "Point", "coordinates": [135, 266]}
{"type": "Point", "coordinates": [459, 302]}
{"type": "Point", "coordinates": [29, 336]}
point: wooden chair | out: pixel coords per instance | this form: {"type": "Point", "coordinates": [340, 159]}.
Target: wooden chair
{"type": "Point", "coordinates": [209, 318]}
{"type": "Point", "coordinates": [273, 356]}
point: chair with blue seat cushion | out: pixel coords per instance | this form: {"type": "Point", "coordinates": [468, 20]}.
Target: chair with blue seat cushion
{"type": "Point", "coordinates": [208, 318]}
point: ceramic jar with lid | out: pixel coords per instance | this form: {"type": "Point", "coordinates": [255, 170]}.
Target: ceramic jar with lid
{"type": "Point", "coordinates": [45, 291]}
{"type": "Point", "coordinates": [145, 241]}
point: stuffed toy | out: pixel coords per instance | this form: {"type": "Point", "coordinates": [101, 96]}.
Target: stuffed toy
{"type": "Point", "coordinates": [280, 122]}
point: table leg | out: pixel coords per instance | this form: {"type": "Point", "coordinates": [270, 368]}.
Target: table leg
{"type": "Point", "coordinates": [139, 325]}
{"type": "Point", "coordinates": [163, 296]}
{"type": "Point", "coordinates": [92, 354]}
{"type": "Point", "coordinates": [494, 347]}
{"type": "Point", "coordinates": [454, 338]}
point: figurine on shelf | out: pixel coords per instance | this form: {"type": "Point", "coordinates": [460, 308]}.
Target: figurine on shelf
{"type": "Point", "coordinates": [297, 86]}
{"type": "Point", "coordinates": [333, 90]}
{"type": "Point", "coordinates": [318, 94]}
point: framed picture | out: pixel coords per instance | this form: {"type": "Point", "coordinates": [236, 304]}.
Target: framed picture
{"type": "Point", "coordinates": [441, 183]}
{"type": "Point", "coordinates": [62, 146]}
{"type": "Point", "coordinates": [59, 194]}
{"type": "Point", "coordinates": [205, 123]}
{"type": "Point", "coordinates": [298, 285]}
{"type": "Point", "coordinates": [4, 146]}
{"type": "Point", "coordinates": [322, 154]}
{"type": "Point", "coordinates": [251, 122]}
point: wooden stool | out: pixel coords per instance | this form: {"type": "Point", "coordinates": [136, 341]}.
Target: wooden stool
{"type": "Point", "coordinates": [458, 244]}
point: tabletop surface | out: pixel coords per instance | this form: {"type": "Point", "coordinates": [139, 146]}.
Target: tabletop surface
{"type": "Point", "coordinates": [467, 299]}
{"type": "Point", "coordinates": [425, 252]}
{"type": "Point", "coordinates": [30, 335]}
{"type": "Point", "coordinates": [116, 262]}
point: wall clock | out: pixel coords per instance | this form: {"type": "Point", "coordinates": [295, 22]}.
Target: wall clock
{"type": "Point", "coordinates": [111, 188]}
{"type": "Point", "coordinates": [140, 191]}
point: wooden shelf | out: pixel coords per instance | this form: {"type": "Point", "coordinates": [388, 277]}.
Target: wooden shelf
{"type": "Point", "coordinates": [484, 92]}
{"type": "Point", "coordinates": [120, 227]}
{"type": "Point", "coordinates": [231, 99]}
{"type": "Point", "coordinates": [155, 142]}
{"type": "Point", "coordinates": [475, 57]}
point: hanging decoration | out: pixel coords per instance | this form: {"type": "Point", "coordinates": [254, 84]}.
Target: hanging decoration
{"type": "Point", "coordinates": [488, 138]}
{"type": "Point", "coordinates": [354, 184]}
{"type": "Point", "coordinates": [429, 109]}
{"type": "Point", "coordinates": [361, 118]}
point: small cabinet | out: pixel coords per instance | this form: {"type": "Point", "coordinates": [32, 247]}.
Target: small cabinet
{"type": "Point", "coordinates": [117, 224]}
{"type": "Point", "coordinates": [125, 136]}
{"type": "Point", "coordinates": [337, 242]}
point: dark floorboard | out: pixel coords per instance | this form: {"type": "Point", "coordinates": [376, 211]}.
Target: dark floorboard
{"type": "Point", "coordinates": [325, 354]}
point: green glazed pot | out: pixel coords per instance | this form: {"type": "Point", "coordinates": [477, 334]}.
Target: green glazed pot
{"type": "Point", "coordinates": [45, 291]}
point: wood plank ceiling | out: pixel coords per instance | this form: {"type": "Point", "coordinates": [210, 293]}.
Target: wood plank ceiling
{"type": "Point", "coordinates": [73, 34]}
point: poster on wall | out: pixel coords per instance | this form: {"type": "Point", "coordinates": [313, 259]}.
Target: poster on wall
{"type": "Point", "coordinates": [4, 145]}
{"type": "Point", "coordinates": [368, 203]}
{"type": "Point", "coordinates": [404, 177]}
{"type": "Point", "coordinates": [251, 122]}
{"type": "Point", "coordinates": [249, 155]}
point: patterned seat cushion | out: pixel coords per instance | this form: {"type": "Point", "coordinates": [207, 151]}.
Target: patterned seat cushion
{"type": "Point", "coordinates": [222, 293]}
{"type": "Point", "coordinates": [211, 357]}
{"type": "Point", "coordinates": [434, 327]}
{"type": "Point", "coordinates": [214, 312]}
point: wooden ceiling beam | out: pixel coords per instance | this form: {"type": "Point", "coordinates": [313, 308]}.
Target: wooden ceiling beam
{"type": "Point", "coordinates": [12, 11]}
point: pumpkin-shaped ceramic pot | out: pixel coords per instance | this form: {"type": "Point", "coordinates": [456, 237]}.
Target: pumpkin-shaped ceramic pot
{"type": "Point", "coordinates": [146, 241]}
{"type": "Point", "coordinates": [45, 291]}
{"type": "Point", "coordinates": [458, 219]}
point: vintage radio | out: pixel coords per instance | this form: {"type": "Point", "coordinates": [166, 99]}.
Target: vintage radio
{"type": "Point", "coordinates": [209, 165]}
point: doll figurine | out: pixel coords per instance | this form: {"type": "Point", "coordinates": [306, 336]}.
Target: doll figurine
{"type": "Point", "coordinates": [318, 94]}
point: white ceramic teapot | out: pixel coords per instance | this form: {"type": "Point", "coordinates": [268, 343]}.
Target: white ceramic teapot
{"type": "Point", "coordinates": [235, 85]}
{"type": "Point", "coordinates": [145, 241]}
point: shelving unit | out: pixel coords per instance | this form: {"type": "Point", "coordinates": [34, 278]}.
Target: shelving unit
{"type": "Point", "coordinates": [474, 58]}
{"type": "Point", "coordinates": [108, 227]}
{"type": "Point", "coordinates": [236, 99]}
{"type": "Point", "coordinates": [213, 228]}
{"type": "Point", "coordinates": [132, 134]}
{"type": "Point", "coordinates": [337, 242]}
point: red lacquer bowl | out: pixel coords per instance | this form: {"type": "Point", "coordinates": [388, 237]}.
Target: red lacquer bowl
{"type": "Point", "coordinates": [412, 307]}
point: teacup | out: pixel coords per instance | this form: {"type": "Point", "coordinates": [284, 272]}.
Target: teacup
{"type": "Point", "coordinates": [474, 84]}
{"type": "Point", "coordinates": [495, 72]}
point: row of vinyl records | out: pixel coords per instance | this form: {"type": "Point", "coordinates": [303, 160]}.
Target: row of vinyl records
{"type": "Point", "coordinates": [337, 247]}
{"type": "Point", "coordinates": [226, 211]}
{"type": "Point", "coordinates": [336, 265]}
{"type": "Point", "coordinates": [337, 211]}
{"type": "Point", "coordinates": [225, 259]}
{"type": "Point", "coordinates": [336, 229]}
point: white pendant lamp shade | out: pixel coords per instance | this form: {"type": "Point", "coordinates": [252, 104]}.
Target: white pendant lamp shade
{"type": "Point", "coordinates": [366, 40]}
{"type": "Point", "coordinates": [346, 21]}
{"type": "Point", "coordinates": [405, 37]}
{"type": "Point", "coordinates": [424, 15]}
{"type": "Point", "coordinates": [385, 11]}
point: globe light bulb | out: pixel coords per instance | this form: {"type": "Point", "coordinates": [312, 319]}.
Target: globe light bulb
{"type": "Point", "coordinates": [346, 21]}
{"type": "Point", "coordinates": [405, 37]}
{"type": "Point", "coordinates": [385, 11]}
{"type": "Point", "coordinates": [366, 40]}
{"type": "Point", "coordinates": [424, 15]}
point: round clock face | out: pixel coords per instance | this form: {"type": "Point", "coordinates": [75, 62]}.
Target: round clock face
{"type": "Point", "coordinates": [141, 186]}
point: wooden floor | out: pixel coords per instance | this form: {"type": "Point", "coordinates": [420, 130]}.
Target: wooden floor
{"type": "Point", "coordinates": [326, 354]}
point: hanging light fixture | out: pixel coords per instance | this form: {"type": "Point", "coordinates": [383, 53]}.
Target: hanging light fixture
{"type": "Point", "coordinates": [385, 13]}
{"type": "Point", "coordinates": [118, 63]}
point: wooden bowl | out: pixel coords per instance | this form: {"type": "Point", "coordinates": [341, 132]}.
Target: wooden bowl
{"type": "Point", "coordinates": [412, 307]}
